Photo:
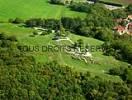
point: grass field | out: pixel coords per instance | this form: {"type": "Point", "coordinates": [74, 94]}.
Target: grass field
{"type": "Point", "coordinates": [104, 62]}
{"type": "Point", "coordinates": [26, 9]}
{"type": "Point", "coordinates": [34, 9]}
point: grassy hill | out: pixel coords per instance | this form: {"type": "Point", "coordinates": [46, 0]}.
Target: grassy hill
{"type": "Point", "coordinates": [104, 63]}
{"type": "Point", "coordinates": [33, 9]}
{"type": "Point", "coordinates": [43, 9]}
{"type": "Point", "coordinates": [32, 74]}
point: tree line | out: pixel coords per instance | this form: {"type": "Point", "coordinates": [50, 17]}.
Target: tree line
{"type": "Point", "coordinates": [120, 47]}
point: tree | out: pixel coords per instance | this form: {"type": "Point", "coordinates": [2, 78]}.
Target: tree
{"type": "Point", "coordinates": [129, 8]}
{"type": "Point", "coordinates": [104, 34]}
{"type": "Point", "coordinates": [86, 31]}
{"type": "Point", "coordinates": [16, 20]}
{"type": "Point", "coordinates": [119, 13]}
{"type": "Point", "coordinates": [79, 43]}
{"type": "Point", "coordinates": [95, 1]}
{"type": "Point", "coordinates": [62, 31]}
{"type": "Point", "coordinates": [12, 38]}
{"type": "Point", "coordinates": [35, 33]}
{"type": "Point", "coordinates": [57, 1]}
{"type": "Point", "coordinates": [3, 36]}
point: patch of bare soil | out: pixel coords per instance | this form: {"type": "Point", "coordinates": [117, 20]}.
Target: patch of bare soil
{"type": "Point", "coordinates": [127, 1]}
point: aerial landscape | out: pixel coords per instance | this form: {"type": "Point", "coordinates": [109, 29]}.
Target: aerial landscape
{"type": "Point", "coordinates": [65, 49]}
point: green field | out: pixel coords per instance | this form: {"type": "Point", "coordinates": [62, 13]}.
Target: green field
{"type": "Point", "coordinates": [104, 63]}
{"type": "Point", "coordinates": [39, 9]}
{"type": "Point", "coordinates": [34, 9]}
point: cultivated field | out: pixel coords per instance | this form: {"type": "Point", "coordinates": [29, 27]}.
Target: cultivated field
{"type": "Point", "coordinates": [124, 2]}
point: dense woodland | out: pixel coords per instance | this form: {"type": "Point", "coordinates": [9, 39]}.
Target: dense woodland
{"type": "Point", "coordinates": [24, 79]}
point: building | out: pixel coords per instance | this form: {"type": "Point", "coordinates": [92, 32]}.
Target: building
{"type": "Point", "coordinates": [129, 28]}
{"type": "Point", "coordinates": [120, 29]}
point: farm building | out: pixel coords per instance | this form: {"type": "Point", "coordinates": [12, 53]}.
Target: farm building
{"type": "Point", "coordinates": [120, 29]}
{"type": "Point", "coordinates": [126, 28]}
{"type": "Point", "coordinates": [129, 28]}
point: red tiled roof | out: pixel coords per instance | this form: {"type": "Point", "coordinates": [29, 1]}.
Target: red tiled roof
{"type": "Point", "coordinates": [130, 27]}
{"type": "Point", "coordinates": [119, 28]}
{"type": "Point", "coordinates": [130, 24]}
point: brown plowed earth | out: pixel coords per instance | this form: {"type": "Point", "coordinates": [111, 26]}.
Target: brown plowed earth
{"type": "Point", "coordinates": [127, 1]}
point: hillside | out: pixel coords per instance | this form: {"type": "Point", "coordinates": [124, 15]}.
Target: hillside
{"type": "Point", "coordinates": [65, 52]}
{"type": "Point", "coordinates": [104, 63]}
{"type": "Point", "coordinates": [43, 9]}
{"type": "Point", "coordinates": [21, 78]}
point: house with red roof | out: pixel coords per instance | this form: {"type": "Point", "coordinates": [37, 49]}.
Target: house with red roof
{"type": "Point", "coordinates": [120, 29]}
{"type": "Point", "coordinates": [124, 29]}
{"type": "Point", "coordinates": [129, 28]}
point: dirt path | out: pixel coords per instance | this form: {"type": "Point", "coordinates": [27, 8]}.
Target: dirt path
{"type": "Point", "coordinates": [66, 39]}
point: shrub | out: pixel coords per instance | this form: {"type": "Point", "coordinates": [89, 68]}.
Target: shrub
{"type": "Point", "coordinates": [35, 33]}
{"type": "Point", "coordinates": [129, 8]}
{"type": "Point", "coordinates": [16, 21]}
{"type": "Point", "coordinates": [12, 38]}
